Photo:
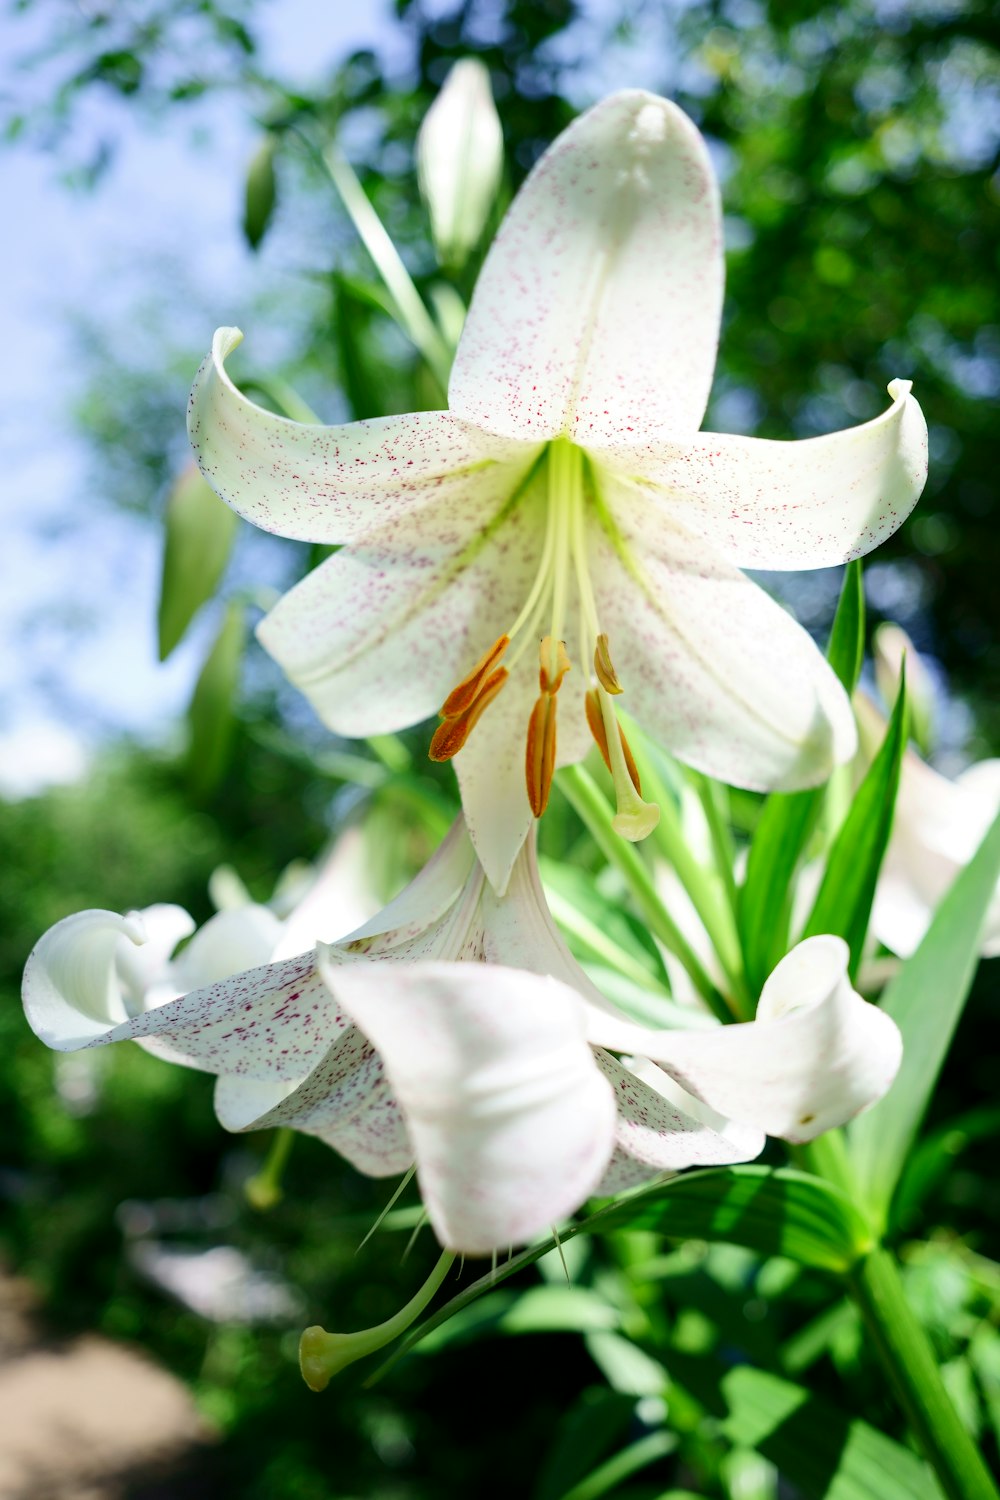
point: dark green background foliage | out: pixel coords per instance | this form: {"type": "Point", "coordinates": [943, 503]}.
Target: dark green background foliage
{"type": "Point", "coordinates": [860, 151]}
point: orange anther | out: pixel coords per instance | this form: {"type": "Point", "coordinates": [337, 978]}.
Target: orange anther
{"type": "Point", "coordinates": [603, 668]}
{"type": "Point", "coordinates": [595, 721]}
{"type": "Point", "coordinates": [462, 697]}
{"type": "Point", "coordinates": [540, 753]}
{"type": "Point", "coordinates": [549, 680]}
{"type": "Point", "coordinates": [452, 733]}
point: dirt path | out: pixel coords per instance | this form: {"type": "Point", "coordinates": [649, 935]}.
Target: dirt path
{"type": "Point", "coordinates": [88, 1419]}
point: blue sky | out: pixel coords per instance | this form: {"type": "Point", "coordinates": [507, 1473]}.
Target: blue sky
{"type": "Point", "coordinates": [77, 602]}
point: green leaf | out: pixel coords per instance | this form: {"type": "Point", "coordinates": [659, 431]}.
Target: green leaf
{"type": "Point", "coordinates": [821, 1450]}
{"type": "Point", "coordinates": [926, 1000]}
{"type": "Point", "coordinates": [261, 191]}
{"type": "Point", "coordinates": [934, 1157]}
{"type": "Point", "coordinates": [844, 901]}
{"type": "Point", "coordinates": [774, 1211]}
{"type": "Point", "coordinates": [788, 818]}
{"type": "Point", "coordinates": [539, 1309]}
{"type": "Point", "coordinates": [607, 1479]}
{"type": "Point", "coordinates": [200, 530]}
{"type": "Point", "coordinates": [771, 1211]}
{"type": "Point", "coordinates": [595, 1423]}
{"type": "Point", "coordinates": [211, 717]}
{"type": "Point", "coordinates": [846, 647]}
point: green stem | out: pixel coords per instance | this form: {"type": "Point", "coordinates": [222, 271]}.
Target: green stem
{"type": "Point", "coordinates": [594, 812]}
{"type": "Point", "coordinates": [908, 1360]}
{"type": "Point", "coordinates": [413, 316]}
{"type": "Point", "coordinates": [263, 1190]}
{"type": "Point", "coordinates": [715, 914]}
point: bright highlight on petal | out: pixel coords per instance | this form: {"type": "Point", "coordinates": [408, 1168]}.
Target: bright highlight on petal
{"type": "Point", "coordinates": [596, 314]}
{"type": "Point", "coordinates": [511, 1123]}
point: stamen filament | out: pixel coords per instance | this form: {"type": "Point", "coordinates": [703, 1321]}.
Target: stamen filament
{"type": "Point", "coordinates": [634, 819]}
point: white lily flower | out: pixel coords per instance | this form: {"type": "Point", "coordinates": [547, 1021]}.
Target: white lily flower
{"type": "Point", "coordinates": [460, 160]}
{"type": "Point", "coordinates": [497, 1077]}
{"type": "Point", "coordinates": [567, 496]}
{"type": "Point", "coordinates": [937, 827]}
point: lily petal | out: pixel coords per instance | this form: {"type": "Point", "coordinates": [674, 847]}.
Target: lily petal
{"type": "Point", "coordinates": [807, 504]}
{"type": "Point", "coordinates": [231, 941]}
{"type": "Point", "coordinates": [417, 908]}
{"type": "Point", "coordinates": [326, 484]}
{"type": "Point", "coordinates": [816, 1055]}
{"type": "Point", "coordinates": [712, 666]}
{"type": "Point", "coordinates": [596, 313]}
{"type": "Point", "coordinates": [345, 1101]}
{"type": "Point", "coordinates": [274, 1022]}
{"type": "Point", "coordinates": [661, 1128]}
{"type": "Point", "coordinates": [71, 990]}
{"type": "Point", "coordinates": [378, 635]}
{"type": "Point", "coordinates": [511, 1122]}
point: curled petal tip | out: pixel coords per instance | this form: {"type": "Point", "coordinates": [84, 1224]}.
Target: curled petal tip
{"type": "Point", "coordinates": [225, 341]}
{"type": "Point", "coordinates": [899, 389]}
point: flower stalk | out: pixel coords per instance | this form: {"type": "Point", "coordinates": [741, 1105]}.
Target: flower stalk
{"type": "Point", "coordinates": [907, 1357]}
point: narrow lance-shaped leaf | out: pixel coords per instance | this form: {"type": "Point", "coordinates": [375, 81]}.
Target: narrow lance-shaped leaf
{"type": "Point", "coordinates": [844, 901]}
{"type": "Point", "coordinates": [787, 819]}
{"type": "Point", "coordinates": [211, 718]}
{"type": "Point", "coordinates": [200, 529]}
{"type": "Point", "coordinates": [261, 191]}
{"type": "Point", "coordinates": [926, 1000]}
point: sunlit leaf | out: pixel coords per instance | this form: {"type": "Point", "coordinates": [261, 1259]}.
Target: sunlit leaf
{"type": "Point", "coordinates": [211, 715]}
{"type": "Point", "coordinates": [926, 1000]}
{"type": "Point", "coordinates": [200, 529]}
{"type": "Point", "coordinates": [788, 818]}
{"type": "Point", "coordinates": [844, 901]}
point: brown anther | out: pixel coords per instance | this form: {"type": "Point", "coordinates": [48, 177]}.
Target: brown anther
{"type": "Point", "coordinates": [603, 667]}
{"type": "Point", "coordinates": [452, 733]}
{"type": "Point", "coordinates": [550, 682]}
{"type": "Point", "coordinates": [595, 721]}
{"type": "Point", "coordinates": [540, 753]}
{"type": "Point", "coordinates": [462, 697]}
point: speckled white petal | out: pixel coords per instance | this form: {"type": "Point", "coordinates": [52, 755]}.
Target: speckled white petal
{"type": "Point", "coordinates": [274, 1022]}
{"type": "Point", "coordinates": [421, 905]}
{"type": "Point", "coordinates": [661, 1128]}
{"type": "Point", "coordinates": [816, 1055]}
{"type": "Point", "coordinates": [596, 313]}
{"type": "Point", "coordinates": [710, 665]}
{"type": "Point", "coordinates": [512, 1124]}
{"type": "Point", "coordinates": [327, 484]}
{"type": "Point", "coordinates": [71, 989]}
{"type": "Point", "coordinates": [231, 941]}
{"type": "Point", "coordinates": [808, 504]}
{"type": "Point", "coordinates": [345, 1101]}
{"type": "Point", "coordinates": [380, 633]}
{"type": "Point", "coordinates": [491, 773]}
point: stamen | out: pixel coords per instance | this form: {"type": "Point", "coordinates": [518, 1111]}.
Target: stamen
{"type": "Point", "coordinates": [603, 668]}
{"type": "Point", "coordinates": [540, 753]}
{"type": "Point", "coordinates": [595, 721]}
{"type": "Point", "coordinates": [553, 664]}
{"type": "Point", "coordinates": [634, 819]}
{"type": "Point", "coordinates": [452, 733]}
{"type": "Point", "coordinates": [465, 694]}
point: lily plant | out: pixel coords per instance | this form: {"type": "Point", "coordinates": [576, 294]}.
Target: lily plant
{"type": "Point", "coordinates": [564, 534]}
{"type": "Point", "coordinates": [455, 1030]}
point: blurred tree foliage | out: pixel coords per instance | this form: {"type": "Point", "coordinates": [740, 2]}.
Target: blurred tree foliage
{"type": "Point", "coordinates": [859, 144]}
